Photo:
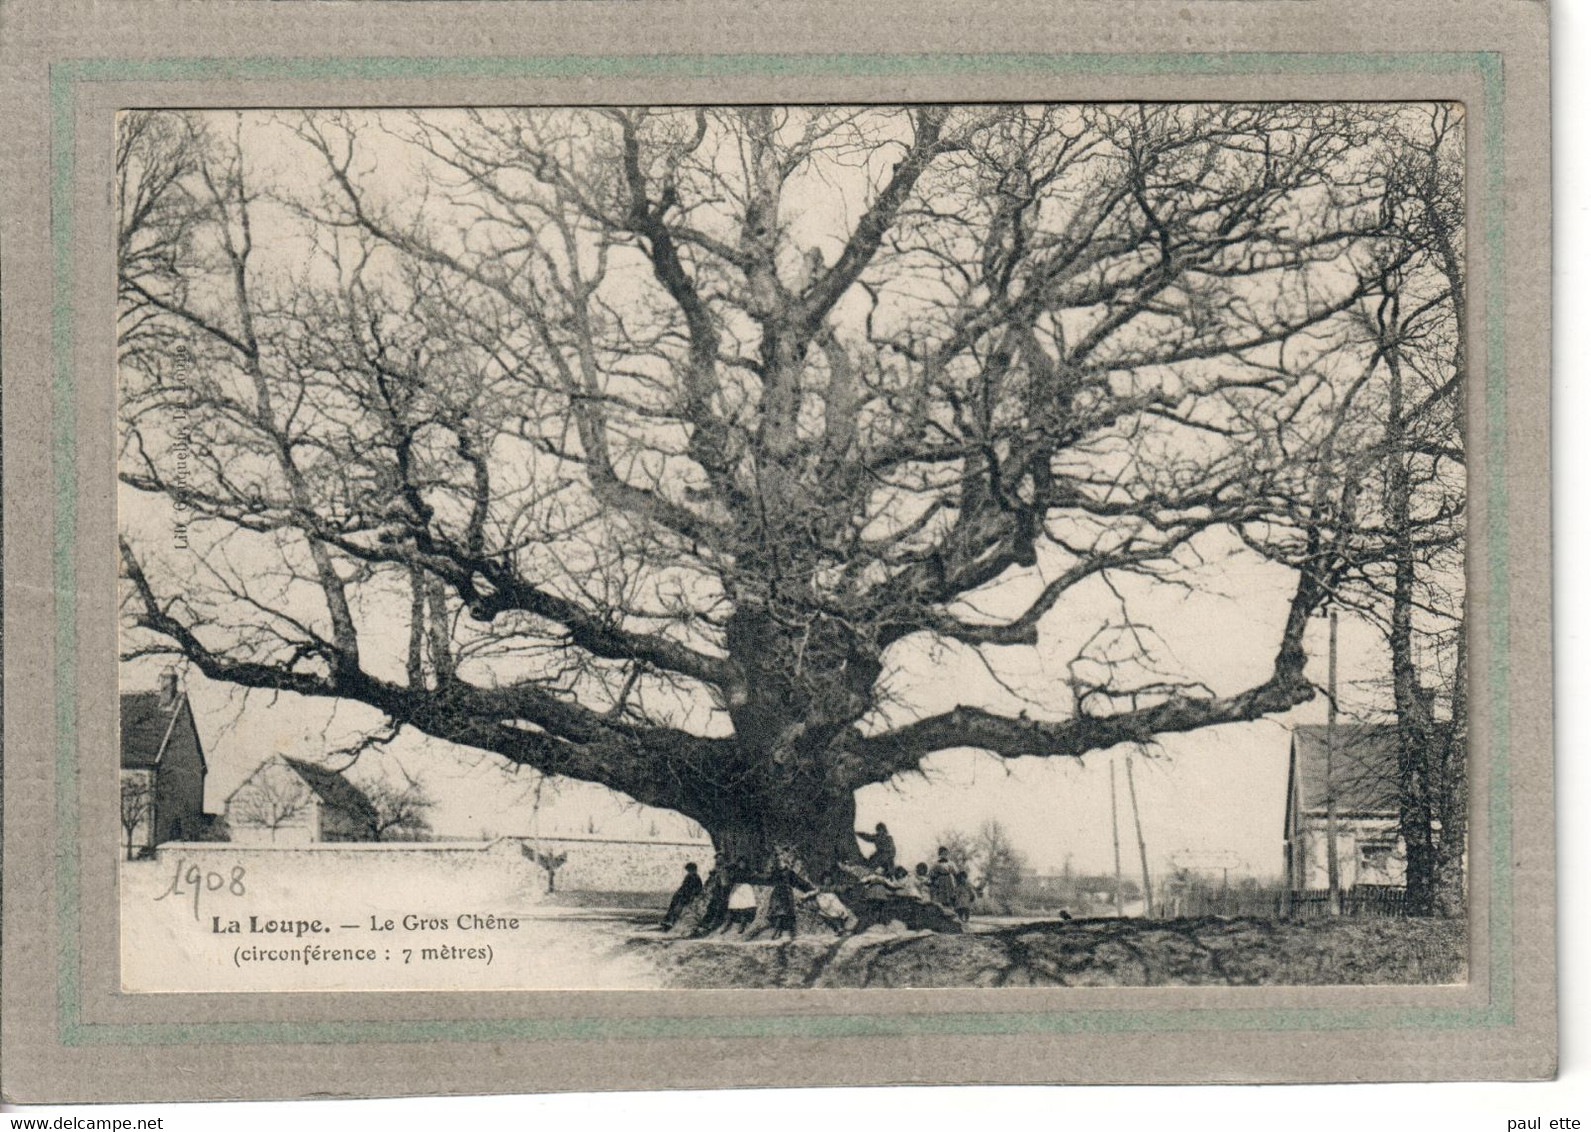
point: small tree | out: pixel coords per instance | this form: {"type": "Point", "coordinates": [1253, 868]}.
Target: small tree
{"type": "Point", "coordinates": [550, 863]}
{"type": "Point", "coordinates": [1001, 865]}
{"type": "Point", "coordinates": [401, 808]}
{"type": "Point", "coordinates": [138, 806]}
{"type": "Point", "coordinates": [273, 797]}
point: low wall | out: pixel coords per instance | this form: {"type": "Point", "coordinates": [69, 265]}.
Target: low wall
{"type": "Point", "coordinates": [486, 868]}
{"type": "Point", "coordinates": [595, 864]}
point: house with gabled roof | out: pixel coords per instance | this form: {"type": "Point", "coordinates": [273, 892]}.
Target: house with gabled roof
{"type": "Point", "coordinates": [288, 801]}
{"type": "Point", "coordinates": [162, 769]}
{"type": "Point", "coordinates": [1357, 776]}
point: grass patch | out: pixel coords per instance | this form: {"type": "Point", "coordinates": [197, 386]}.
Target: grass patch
{"type": "Point", "coordinates": [636, 901]}
{"type": "Point", "coordinates": [1108, 952]}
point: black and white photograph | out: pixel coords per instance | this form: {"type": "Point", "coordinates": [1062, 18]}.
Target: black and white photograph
{"type": "Point", "coordinates": [793, 546]}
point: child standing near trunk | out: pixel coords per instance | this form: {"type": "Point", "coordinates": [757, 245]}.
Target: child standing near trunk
{"type": "Point", "coordinates": [786, 881]}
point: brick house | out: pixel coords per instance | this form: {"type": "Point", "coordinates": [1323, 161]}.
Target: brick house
{"type": "Point", "coordinates": [1364, 780]}
{"type": "Point", "coordinates": [288, 801]}
{"type": "Point", "coordinates": [163, 768]}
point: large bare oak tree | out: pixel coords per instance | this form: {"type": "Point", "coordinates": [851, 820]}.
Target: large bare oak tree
{"type": "Point", "coordinates": [669, 439]}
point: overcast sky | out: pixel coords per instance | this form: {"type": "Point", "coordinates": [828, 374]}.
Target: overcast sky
{"type": "Point", "coordinates": [1211, 792]}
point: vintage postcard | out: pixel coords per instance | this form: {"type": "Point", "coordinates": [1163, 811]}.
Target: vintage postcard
{"type": "Point", "coordinates": [1029, 548]}
{"type": "Point", "coordinates": [657, 500]}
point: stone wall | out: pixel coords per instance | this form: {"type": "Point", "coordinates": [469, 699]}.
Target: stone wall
{"type": "Point", "coordinates": [596, 864]}
{"type": "Point", "coordinates": [297, 831]}
{"type": "Point", "coordinates": [503, 866]}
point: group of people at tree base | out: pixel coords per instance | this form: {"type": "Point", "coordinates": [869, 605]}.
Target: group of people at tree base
{"type": "Point", "coordinates": [731, 893]}
{"type": "Point", "coordinates": [943, 883]}
{"type": "Point", "coordinates": [730, 890]}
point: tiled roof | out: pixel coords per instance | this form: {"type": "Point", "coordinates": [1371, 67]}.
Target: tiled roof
{"type": "Point", "coordinates": [1364, 768]}
{"type": "Point", "coordinates": [145, 724]}
{"type": "Point", "coordinates": [333, 789]}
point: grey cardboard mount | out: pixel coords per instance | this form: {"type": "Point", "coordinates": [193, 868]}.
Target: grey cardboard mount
{"type": "Point", "coordinates": [70, 1035]}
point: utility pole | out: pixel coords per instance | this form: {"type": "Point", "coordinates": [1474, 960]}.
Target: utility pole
{"type": "Point", "coordinates": [1143, 853]}
{"type": "Point", "coordinates": [1333, 873]}
{"type": "Point", "coordinates": [1115, 836]}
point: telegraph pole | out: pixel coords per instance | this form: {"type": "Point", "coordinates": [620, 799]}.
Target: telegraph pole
{"type": "Point", "coordinates": [1115, 836]}
{"type": "Point", "coordinates": [1333, 873]}
{"type": "Point", "coordinates": [1143, 853]}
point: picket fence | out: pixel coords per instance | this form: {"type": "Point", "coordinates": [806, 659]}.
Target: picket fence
{"type": "Point", "coordinates": [1278, 903]}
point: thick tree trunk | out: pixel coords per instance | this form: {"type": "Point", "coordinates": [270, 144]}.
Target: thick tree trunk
{"type": "Point", "coordinates": [1410, 701]}
{"type": "Point", "coordinates": [1448, 895]}
{"type": "Point", "coordinates": [819, 827]}
{"type": "Point", "coordinates": [787, 707]}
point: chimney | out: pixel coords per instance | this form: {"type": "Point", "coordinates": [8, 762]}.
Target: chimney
{"type": "Point", "coordinates": [168, 689]}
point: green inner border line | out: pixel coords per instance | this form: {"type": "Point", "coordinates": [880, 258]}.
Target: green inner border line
{"type": "Point", "coordinates": [64, 80]}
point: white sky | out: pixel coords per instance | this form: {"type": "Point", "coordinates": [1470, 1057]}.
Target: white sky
{"type": "Point", "coordinates": [1216, 790]}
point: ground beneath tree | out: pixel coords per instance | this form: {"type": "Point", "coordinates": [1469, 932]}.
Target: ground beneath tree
{"type": "Point", "coordinates": [1078, 953]}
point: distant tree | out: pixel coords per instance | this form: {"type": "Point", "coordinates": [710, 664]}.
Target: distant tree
{"type": "Point", "coordinates": [962, 849]}
{"type": "Point", "coordinates": [401, 808]}
{"type": "Point", "coordinates": [1000, 863]}
{"type": "Point", "coordinates": [138, 806]}
{"type": "Point", "coordinates": [993, 863]}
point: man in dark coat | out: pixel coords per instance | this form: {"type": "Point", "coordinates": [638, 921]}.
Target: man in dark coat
{"type": "Point", "coordinates": [883, 858]}
{"type": "Point", "coordinates": [689, 889]}
{"type": "Point", "coordinates": [717, 901]}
